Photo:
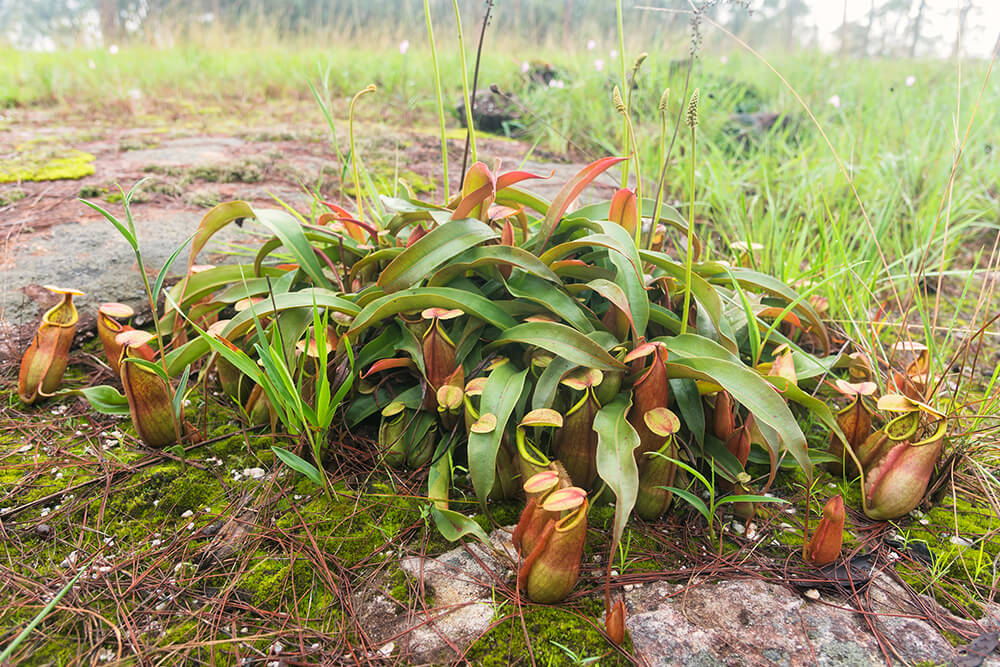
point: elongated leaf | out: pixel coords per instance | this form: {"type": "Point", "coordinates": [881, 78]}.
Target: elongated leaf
{"type": "Point", "coordinates": [744, 498]}
{"type": "Point", "coordinates": [545, 389]}
{"type": "Point", "coordinates": [418, 298]}
{"type": "Point", "coordinates": [185, 355]}
{"type": "Point", "coordinates": [690, 405]}
{"type": "Point", "coordinates": [454, 525]}
{"type": "Point", "coordinates": [287, 228]}
{"type": "Point", "coordinates": [628, 274]}
{"type": "Point", "coordinates": [512, 177]}
{"type": "Point", "coordinates": [439, 472]}
{"type": "Point", "coordinates": [299, 465]}
{"type": "Point", "coordinates": [691, 499]}
{"type": "Point", "coordinates": [517, 196]}
{"type": "Point", "coordinates": [552, 298]}
{"type": "Point", "coordinates": [614, 294]}
{"type": "Point", "coordinates": [492, 256]}
{"type": "Point", "coordinates": [103, 398]}
{"type": "Point", "coordinates": [503, 389]}
{"type": "Point", "coordinates": [216, 218]}
{"type": "Point", "coordinates": [703, 292]}
{"type": "Point", "coordinates": [122, 229]}
{"type": "Point", "coordinates": [668, 216]}
{"type": "Point", "coordinates": [699, 358]}
{"type": "Point", "coordinates": [162, 275]}
{"type": "Point", "coordinates": [302, 299]}
{"type": "Point", "coordinates": [584, 243]}
{"type": "Point", "coordinates": [616, 443]}
{"type": "Point", "coordinates": [755, 279]}
{"type": "Point", "coordinates": [567, 195]}
{"type": "Point", "coordinates": [560, 340]}
{"type": "Point", "coordinates": [433, 249]}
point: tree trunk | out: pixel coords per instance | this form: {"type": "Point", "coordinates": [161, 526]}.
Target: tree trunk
{"type": "Point", "coordinates": [109, 21]}
{"type": "Point", "coordinates": [916, 28]}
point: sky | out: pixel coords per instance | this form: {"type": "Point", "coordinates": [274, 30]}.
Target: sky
{"type": "Point", "coordinates": [942, 22]}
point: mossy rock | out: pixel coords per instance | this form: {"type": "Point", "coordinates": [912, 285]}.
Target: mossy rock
{"type": "Point", "coordinates": [34, 163]}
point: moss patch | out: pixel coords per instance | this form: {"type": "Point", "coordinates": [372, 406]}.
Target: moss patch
{"type": "Point", "coordinates": [41, 163]}
{"type": "Point", "coordinates": [559, 636]}
{"type": "Point", "coordinates": [11, 196]}
{"type": "Point", "coordinates": [354, 527]}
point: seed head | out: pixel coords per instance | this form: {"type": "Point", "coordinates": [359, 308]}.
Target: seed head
{"type": "Point", "coordinates": [616, 97]}
{"type": "Point", "coordinates": [664, 98]}
{"type": "Point", "coordinates": [639, 61]}
{"type": "Point", "coordinates": [691, 118]}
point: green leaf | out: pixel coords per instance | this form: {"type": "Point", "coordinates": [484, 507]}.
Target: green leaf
{"type": "Point", "coordinates": [432, 250]}
{"type": "Point", "coordinates": [750, 499]}
{"type": "Point", "coordinates": [299, 465]}
{"type": "Point", "coordinates": [103, 398]}
{"type": "Point", "coordinates": [548, 383]}
{"type": "Point", "coordinates": [550, 297]}
{"type": "Point", "coordinates": [454, 525]}
{"type": "Point", "coordinates": [501, 393]}
{"type": "Point", "coordinates": [179, 394]}
{"type": "Point", "coordinates": [692, 500]}
{"type": "Point", "coordinates": [628, 274]}
{"type": "Point", "coordinates": [689, 403]}
{"type": "Point", "coordinates": [697, 357]}
{"type": "Point", "coordinates": [304, 298]}
{"type": "Point", "coordinates": [418, 298]}
{"type": "Point", "coordinates": [616, 443]}
{"type": "Point", "coordinates": [217, 218]}
{"type": "Point", "coordinates": [122, 229]}
{"type": "Point", "coordinates": [185, 355]}
{"type": "Point", "coordinates": [287, 228]}
{"type": "Point", "coordinates": [703, 292]}
{"type": "Point", "coordinates": [562, 341]}
{"type": "Point", "coordinates": [490, 256]}
{"type": "Point", "coordinates": [162, 275]}
{"type": "Point", "coordinates": [755, 279]}
{"type": "Point", "coordinates": [151, 366]}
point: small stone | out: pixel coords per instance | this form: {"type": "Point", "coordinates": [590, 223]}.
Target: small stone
{"type": "Point", "coordinates": [43, 530]}
{"type": "Point", "coordinates": [254, 473]}
{"type": "Point", "coordinates": [960, 541]}
{"type": "Point", "coordinates": [186, 514]}
{"type": "Point", "coordinates": [812, 594]}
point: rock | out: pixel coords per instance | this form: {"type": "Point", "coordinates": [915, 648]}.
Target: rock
{"type": "Point", "coordinates": [756, 622]}
{"type": "Point", "coordinates": [492, 112]}
{"type": "Point", "coordinates": [461, 581]}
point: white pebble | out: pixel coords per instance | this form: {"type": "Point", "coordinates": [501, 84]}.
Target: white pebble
{"type": "Point", "coordinates": [812, 594]}
{"type": "Point", "coordinates": [186, 514]}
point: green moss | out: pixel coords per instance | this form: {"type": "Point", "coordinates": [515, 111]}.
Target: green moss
{"type": "Point", "coordinates": [205, 198]}
{"type": "Point", "coordinates": [547, 627]}
{"type": "Point", "coordinates": [167, 488]}
{"type": "Point", "coordinates": [34, 163]}
{"type": "Point", "coordinates": [246, 171]}
{"type": "Point", "coordinates": [11, 196]}
{"type": "Point", "coordinates": [353, 528]}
